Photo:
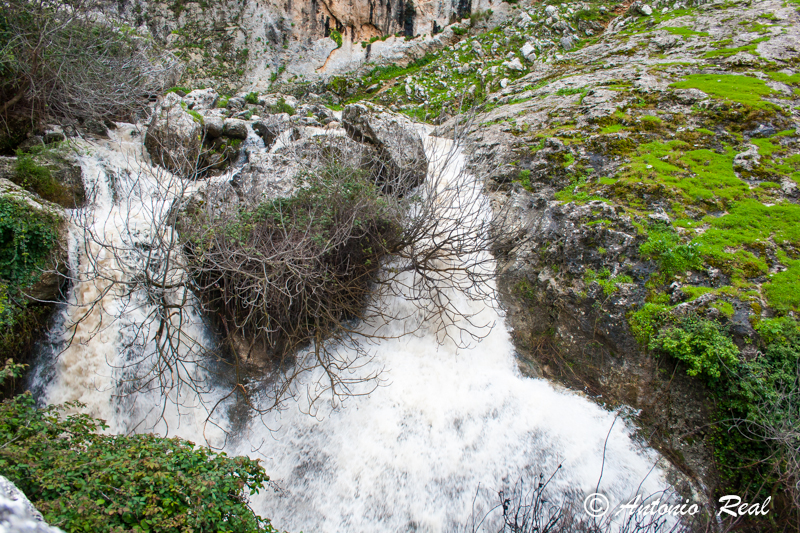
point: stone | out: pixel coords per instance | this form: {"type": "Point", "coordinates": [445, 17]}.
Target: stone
{"type": "Point", "coordinates": [201, 99]}
{"type": "Point", "coordinates": [550, 10]}
{"type": "Point", "coordinates": [53, 134]}
{"type": "Point", "coordinates": [747, 160]}
{"type": "Point", "coordinates": [234, 128]}
{"type": "Point", "coordinates": [528, 51]}
{"type": "Point", "coordinates": [400, 147]}
{"type": "Point", "coordinates": [567, 42]}
{"type": "Point", "coordinates": [173, 138]}
{"type": "Point", "coordinates": [17, 513]}
{"type": "Point", "coordinates": [236, 104]}
{"type": "Point", "coordinates": [477, 48]}
{"type": "Point", "coordinates": [213, 126]}
{"type": "Point", "coordinates": [514, 64]}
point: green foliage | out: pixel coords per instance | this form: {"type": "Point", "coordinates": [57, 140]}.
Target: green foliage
{"type": "Point", "coordinates": [609, 283]}
{"type": "Point", "coordinates": [645, 322]}
{"type": "Point", "coordinates": [337, 37]}
{"type": "Point", "coordinates": [458, 30]}
{"type": "Point", "coordinates": [684, 31]}
{"type": "Point", "coordinates": [664, 245]}
{"type": "Point", "coordinates": [699, 344]}
{"type": "Point", "coordinates": [184, 90]}
{"type": "Point", "coordinates": [38, 179]}
{"type": "Point", "coordinates": [82, 481]}
{"type": "Point", "coordinates": [223, 101]}
{"type": "Point", "coordinates": [27, 237]}
{"type": "Point", "coordinates": [251, 98]}
{"type": "Point", "coordinates": [281, 107]}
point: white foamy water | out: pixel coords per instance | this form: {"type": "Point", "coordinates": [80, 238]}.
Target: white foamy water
{"type": "Point", "coordinates": [409, 456]}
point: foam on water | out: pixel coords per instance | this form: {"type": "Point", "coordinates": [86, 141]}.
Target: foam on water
{"type": "Point", "coordinates": [410, 455]}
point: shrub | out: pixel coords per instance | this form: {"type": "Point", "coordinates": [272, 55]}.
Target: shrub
{"type": "Point", "coordinates": [251, 98]}
{"type": "Point", "coordinates": [663, 245]}
{"type": "Point", "coordinates": [315, 255]}
{"type": "Point", "coordinates": [337, 37]}
{"type": "Point", "coordinates": [700, 345]}
{"type": "Point", "coordinates": [83, 481]}
{"type": "Point", "coordinates": [124, 68]}
{"type": "Point", "coordinates": [282, 107]}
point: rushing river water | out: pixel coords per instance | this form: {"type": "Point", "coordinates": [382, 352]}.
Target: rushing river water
{"type": "Point", "coordinates": [447, 430]}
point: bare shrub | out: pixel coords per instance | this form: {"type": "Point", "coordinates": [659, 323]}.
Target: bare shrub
{"type": "Point", "coordinates": [61, 59]}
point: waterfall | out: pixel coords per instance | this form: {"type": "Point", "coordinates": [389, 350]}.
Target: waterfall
{"type": "Point", "coordinates": [447, 430]}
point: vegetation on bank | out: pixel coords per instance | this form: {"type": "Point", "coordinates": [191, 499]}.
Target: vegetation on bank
{"type": "Point", "coordinates": [85, 481]}
{"type": "Point", "coordinates": [28, 240]}
{"type": "Point", "coordinates": [34, 86]}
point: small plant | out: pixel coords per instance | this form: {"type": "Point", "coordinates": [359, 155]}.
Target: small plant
{"type": "Point", "coordinates": [251, 98]}
{"type": "Point", "coordinates": [337, 37]}
{"type": "Point", "coordinates": [282, 107]}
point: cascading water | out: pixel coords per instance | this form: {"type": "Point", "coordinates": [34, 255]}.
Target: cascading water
{"type": "Point", "coordinates": [410, 456]}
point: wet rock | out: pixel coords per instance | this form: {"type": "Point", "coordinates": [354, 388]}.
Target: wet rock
{"type": "Point", "coordinates": [214, 126]}
{"type": "Point", "coordinates": [173, 137]}
{"type": "Point", "coordinates": [17, 513]}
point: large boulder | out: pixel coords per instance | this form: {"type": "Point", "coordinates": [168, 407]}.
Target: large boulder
{"type": "Point", "coordinates": [174, 137]}
{"type": "Point", "coordinates": [17, 513]}
{"type": "Point", "coordinates": [399, 145]}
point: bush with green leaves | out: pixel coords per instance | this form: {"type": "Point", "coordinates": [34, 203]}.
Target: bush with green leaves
{"type": "Point", "coordinates": [664, 245]}
{"type": "Point", "coordinates": [83, 481]}
{"type": "Point", "coordinates": [698, 343]}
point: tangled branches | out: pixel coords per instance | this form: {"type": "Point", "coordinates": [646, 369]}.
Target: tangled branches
{"type": "Point", "coordinates": [61, 59]}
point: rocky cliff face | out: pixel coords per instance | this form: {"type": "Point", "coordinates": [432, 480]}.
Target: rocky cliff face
{"type": "Point", "coordinates": [234, 44]}
{"type": "Point", "coordinates": [645, 172]}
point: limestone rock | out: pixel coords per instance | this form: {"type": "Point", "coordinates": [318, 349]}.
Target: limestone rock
{"type": "Point", "coordinates": [173, 137]}
{"type": "Point", "coordinates": [214, 126]}
{"type": "Point", "coordinates": [200, 99]}
{"type": "Point", "coordinates": [17, 513]}
{"type": "Point", "coordinates": [747, 160]}
{"type": "Point", "coordinates": [399, 145]}
{"type": "Point", "coordinates": [235, 128]}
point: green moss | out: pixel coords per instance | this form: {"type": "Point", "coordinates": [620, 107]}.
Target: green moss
{"type": "Point", "coordinates": [613, 128]}
{"type": "Point", "coordinates": [783, 289]}
{"type": "Point", "coordinates": [727, 52]}
{"type": "Point", "coordinates": [742, 89]}
{"type": "Point", "coordinates": [736, 241]}
{"type": "Point", "coordinates": [724, 307]}
{"type": "Point", "coordinates": [793, 79]}
{"type": "Point", "coordinates": [684, 31]}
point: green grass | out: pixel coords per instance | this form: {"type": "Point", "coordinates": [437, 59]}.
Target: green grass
{"type": "Point", "coordinates": [742, 89]}
{"type": "Point", "coordinates": [684, 31]}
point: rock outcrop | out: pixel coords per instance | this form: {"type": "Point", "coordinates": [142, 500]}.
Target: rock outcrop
{"type": "Point", "coordinates": [17, 513]}
{"type": "Point", "coordinates": [400, 150]}
{"type": "Point", "coordinates": [174, 137]}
